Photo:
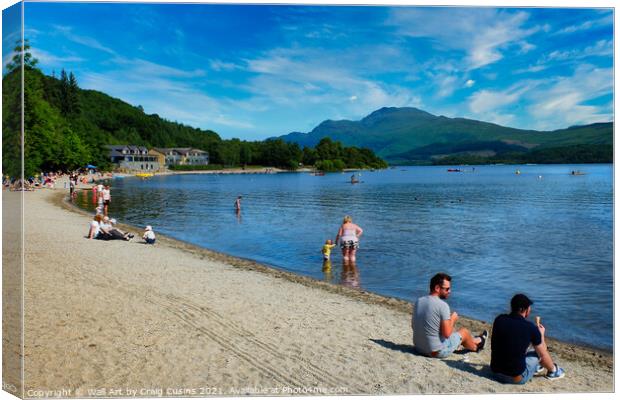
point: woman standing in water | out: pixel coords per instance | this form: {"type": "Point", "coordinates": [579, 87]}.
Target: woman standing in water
{"type": "Point", "coordinates": [349, 234]}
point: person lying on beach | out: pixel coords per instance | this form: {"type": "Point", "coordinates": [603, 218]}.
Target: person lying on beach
{"type": "Point", "coordinates": [511, 337]}
{"type": "Point", "coordinates": [149, 235]}
{"type": "Point", "coordinates": [117, 233]}
{"type": "Point", "coordinates": [105, 228]}
{"type": "Point", "coordinates": [20, 185]}
{"type": "Point", "coordinates": [327, 249]}
{"type": "Point", "coordinates": [433, 325]}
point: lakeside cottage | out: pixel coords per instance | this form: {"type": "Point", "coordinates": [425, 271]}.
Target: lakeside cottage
{"type": "Point", "coordinates": [131, 158]}
{"type": "Point", "coordinates": [182, 156]}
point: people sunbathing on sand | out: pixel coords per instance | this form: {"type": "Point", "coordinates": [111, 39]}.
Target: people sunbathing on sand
{"type": "Point", "coordinates": [21, 185]}
{"type": "Point", "coordinates": [103, 228]}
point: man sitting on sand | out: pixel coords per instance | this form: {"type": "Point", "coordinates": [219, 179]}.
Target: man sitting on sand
{"type": "Point", "coordinates": [511, 338]}
{"type": "Point", "coordinates": [433, 325]}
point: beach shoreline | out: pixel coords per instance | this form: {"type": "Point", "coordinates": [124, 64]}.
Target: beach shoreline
{"type": "Point", "coordinates": [228, 171]}
{"type": "Point", "coordinates": [296, 323]}
{"type": "Point", "coordinates": [397, 304]}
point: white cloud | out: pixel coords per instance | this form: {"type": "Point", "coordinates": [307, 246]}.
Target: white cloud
{"type": "Point", "coordinates": [564, 101]}
{"type": "Point", "coordinates": [152, 69]}
{"type": "Point", "coordinates": [11, 39]}
{"type": "Point", "coordinates": [483, 33]}
{"type": "Point", "coordinates": [549, 104]}
{"type": "Point", "coordinates": [447, 85]}
{"type": "Point", "coordinates": [315, 77]}
{"type": "Point", "coordinates": [526, 47]}
{"type": "Point", "coordinates": [83, 40]}
{"type": "Point", "coordinates": [587, 25]}
{"type": "Point", "coordinates": [353, 98]}
{"type": "Point", "coordinates": [485, 101]}
{"type": "Point", "coordinates": [531, 69]}
{"type": "Point", "coordinates": [51, 61]}
{"type": "Point", "coordinates": [470, 83]}
{"type": "Point", "coordinates": [219, 65]}
{"type": "Point", "coordinates": [8, 58]}
{"type": "Point", "coordinates": [500, 119]}
{"type": "Point", "coordinates": [602, 48]}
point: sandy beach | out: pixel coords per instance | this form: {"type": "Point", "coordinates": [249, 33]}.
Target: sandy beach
{"type": "Point", "coordinates": [126, 319]}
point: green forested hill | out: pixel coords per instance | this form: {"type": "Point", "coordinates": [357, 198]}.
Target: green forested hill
{"type": "Point", "coordinates": [66, 127]}
{"type": "Point", "coordinates": [408, 135]}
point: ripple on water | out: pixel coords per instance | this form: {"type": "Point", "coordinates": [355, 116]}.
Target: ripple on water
{"type": "Point", "coordinates": [495, 232]}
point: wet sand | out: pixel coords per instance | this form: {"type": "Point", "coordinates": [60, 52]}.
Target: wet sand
{"type": "Point", "coordinates": [111, 318]}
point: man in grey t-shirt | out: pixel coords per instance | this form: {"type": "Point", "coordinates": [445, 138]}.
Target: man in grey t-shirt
{"type": "Point", "coordinates": [433, 324]}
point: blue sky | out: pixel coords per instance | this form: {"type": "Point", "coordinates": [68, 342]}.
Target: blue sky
{"type": "Point", "coordinates": [255, 71]}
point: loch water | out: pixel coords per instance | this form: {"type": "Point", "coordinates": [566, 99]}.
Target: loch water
{"type": "Point", "coordinates": [543, 232]}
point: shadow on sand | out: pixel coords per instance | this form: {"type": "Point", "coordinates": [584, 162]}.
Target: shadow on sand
{"type": "Point", "coordinates": [481, 370]}
{"type": "Point", "coordinates": [404, 348]}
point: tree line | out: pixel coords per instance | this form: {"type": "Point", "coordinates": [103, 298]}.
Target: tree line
{"type": "Point", "coordinates": [573, 154]}
{"type": "Point", "coordinates": [66, 127]}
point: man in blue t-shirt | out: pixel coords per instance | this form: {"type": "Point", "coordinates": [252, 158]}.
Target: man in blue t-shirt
{"type": "Point", "coordinates": [511, 337]}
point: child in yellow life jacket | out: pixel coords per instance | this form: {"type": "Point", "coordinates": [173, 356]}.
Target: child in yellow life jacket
{"type": "Point", "coordinates": [327, 249]}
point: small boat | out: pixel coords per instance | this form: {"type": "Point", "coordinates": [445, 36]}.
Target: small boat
{"type": "Point", "coordinates": [577, 173]}
{"type": "Point", "coordinates": [454, 170]}
{"type": "Point", "coordinates": [144, 175]}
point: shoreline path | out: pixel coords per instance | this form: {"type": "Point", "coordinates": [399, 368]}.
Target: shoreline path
{"type": "Point", "coordinates": [177, 320]}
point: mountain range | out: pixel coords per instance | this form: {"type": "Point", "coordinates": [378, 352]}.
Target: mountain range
{"type": "Point", "coordinates": [409, 135]}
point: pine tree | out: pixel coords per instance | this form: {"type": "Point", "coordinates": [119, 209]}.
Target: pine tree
{"type": "Point", "coordinates": [65, 107]}
{"type": "Point", "coordinates": [73, 99]}
{"type": "Point", "coordinates": [16, 62]}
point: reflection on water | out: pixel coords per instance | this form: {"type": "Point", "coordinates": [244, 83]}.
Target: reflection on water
{"type": "Point", "coordinates": [493, 231]}
{"type": "Point", "coordinates": [327, 270]}
{"type": "Point", "coordinates": [350, 276]}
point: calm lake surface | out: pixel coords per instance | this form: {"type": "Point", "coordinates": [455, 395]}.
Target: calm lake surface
{"type": "Point", "coordinates": [497, 233]}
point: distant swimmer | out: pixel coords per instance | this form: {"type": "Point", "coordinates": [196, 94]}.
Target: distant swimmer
{"type": "Point", "coordinates": [518, 172]}
{"type": "Point", "coordinates": [354, 179]}
{"type": "Point", "coordinates": [238, 204]}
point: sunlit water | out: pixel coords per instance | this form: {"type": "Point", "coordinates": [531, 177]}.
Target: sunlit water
{"type": "Point", "coordinates": [497, 233]}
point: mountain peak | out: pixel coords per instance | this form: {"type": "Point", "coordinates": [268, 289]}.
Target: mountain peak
{"type": "Point", "coordinates": [408, 113]}
{"type": "Point", "coordinates": [395, 131]}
